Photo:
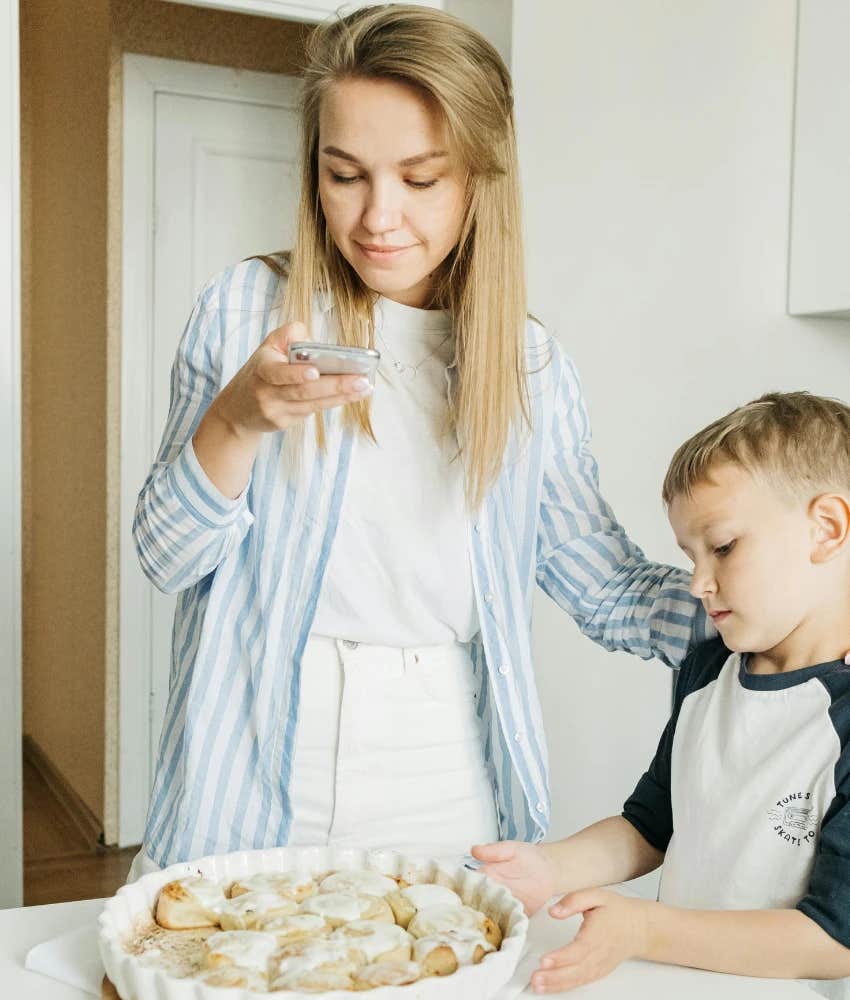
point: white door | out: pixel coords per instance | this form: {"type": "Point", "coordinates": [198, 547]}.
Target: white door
{"type": "Point", "coordinates": [224, 187]}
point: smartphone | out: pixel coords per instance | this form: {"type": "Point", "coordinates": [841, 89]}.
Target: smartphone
{"type": "Point", "coordinates": [333, 359]}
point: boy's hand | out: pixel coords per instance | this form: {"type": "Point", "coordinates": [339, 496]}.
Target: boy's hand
{"type": "Point", "coordinates": [613, 929]}
{"type": "Point", "coordinates": [523, 868]}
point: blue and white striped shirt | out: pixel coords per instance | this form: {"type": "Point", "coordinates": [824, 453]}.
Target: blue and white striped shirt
{"type": "Point", "coordinates": [249, 571]}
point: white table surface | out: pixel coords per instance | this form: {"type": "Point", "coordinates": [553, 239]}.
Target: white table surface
{"type": "Point", "coordinates": [20, 929]}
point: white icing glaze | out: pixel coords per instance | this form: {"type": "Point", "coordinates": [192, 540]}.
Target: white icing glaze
{"type": "Point", "coordinates": [294, 923]}
{"type": "Point", "coordinates": [373, 937]}
{"type": "Point", "coordinates": [288, 969]}
{"type": "Point", "coordinates": [429, 894]}
{"type": "Point", "coordinates": [388, 974]}
{"type": "Point", "coordinates": [358, 880]}
{"type": "Point", "coordinates": [231, 975]}
{"type": "Point", "coordinates": [284, 883]}
{"type": "Point", "coordinates": [338, 905]}
{"type": "Point", "coordinates": [434, 919]}
{"type": "Point", "coordinates": [462, 942]}
{"type": "Point", "coordinates": [247, 949]}
{"type": "Point", "coordinates": [328, 961]}
{"type": "Point", "coordinates": [208, 893]}
{"type": "Point", "coordinates": [259, 903]}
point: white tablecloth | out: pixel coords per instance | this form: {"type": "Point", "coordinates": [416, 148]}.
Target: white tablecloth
{"type": "Point", "coordinates": [21, 929]}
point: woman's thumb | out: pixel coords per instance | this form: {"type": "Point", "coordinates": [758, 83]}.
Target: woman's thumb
{"type": "Point", "coordinates": [283, 336]}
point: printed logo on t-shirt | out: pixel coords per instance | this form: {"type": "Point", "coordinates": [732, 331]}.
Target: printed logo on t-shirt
{"type": "Point", "coordinates": [793, 819]}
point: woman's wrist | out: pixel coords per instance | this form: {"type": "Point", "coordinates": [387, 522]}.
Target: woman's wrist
{"type": "Point", "coordinates": [225, 451]}
{"type": "Point", "coordinates": [221, 425]}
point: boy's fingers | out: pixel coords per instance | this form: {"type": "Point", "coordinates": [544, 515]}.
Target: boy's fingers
{"type": "Point", "coordinates": [501, 851]}
{"type": "Point", "coordinates": [558, 980]}
{"type": "Point", "coordinates": [575, 902]}
{"type": "Point", "coordinates": [570, 954]}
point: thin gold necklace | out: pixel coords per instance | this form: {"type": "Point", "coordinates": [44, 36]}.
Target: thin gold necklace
{"type": "Point", "coordinates": [402, 367]}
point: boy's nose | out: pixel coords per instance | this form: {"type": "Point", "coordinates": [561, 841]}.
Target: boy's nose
{"type": "Point", "coordinates": [702, 583]}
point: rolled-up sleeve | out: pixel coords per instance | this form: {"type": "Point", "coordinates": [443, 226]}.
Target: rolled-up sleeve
{"type": "Point", "coordinates": [184, 526]}
{"type": "Point", "coordinates": [585, 560]}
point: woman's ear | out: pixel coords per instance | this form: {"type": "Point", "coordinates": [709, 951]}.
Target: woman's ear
{"type": "Point", "coordinates": [830, 518]}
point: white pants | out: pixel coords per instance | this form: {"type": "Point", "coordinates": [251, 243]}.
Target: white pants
{"type": "Point", "coordinates": [388, 751]}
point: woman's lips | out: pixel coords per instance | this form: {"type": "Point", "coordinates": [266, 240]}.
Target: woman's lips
{"type": "Point", "coordinates": [381, 253]}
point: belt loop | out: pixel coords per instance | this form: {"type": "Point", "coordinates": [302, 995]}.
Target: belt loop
{"type": "Point", "coordinates": [344, 648]}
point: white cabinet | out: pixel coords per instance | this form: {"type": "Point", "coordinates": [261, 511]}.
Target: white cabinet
{"type": "Point", "coordinates": [294, 10]}
{"type": "Point", "coordinates": [819, 264]}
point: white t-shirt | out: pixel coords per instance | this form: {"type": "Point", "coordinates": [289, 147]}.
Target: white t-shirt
{"type": "Point", "coordinates": [748, 792]}
{"type": "Point", "coordinates": [399, 571]}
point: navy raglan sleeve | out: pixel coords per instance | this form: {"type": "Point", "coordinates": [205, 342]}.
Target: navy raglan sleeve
{"type": "Point", "coordinates": [827, 901]}
{"type": "Point", "coordinates": [649, 808]}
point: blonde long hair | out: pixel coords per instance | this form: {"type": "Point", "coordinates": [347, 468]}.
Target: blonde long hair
{"type": "Point", "coordinates": [482, 282]}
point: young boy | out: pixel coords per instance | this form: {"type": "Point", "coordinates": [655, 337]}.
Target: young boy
{"type": "Point", "coordinates": [746, 800]}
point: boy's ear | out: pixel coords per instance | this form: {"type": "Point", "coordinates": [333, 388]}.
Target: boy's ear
{"type": "Point", "coordinates": [830, 517]}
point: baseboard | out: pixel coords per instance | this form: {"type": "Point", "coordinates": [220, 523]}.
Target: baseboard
{"type": "Point", "coordinates": [69, 800]}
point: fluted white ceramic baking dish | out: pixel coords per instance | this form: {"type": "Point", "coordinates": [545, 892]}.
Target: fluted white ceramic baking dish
{"type": "Point", "coordinates": [132, 906]}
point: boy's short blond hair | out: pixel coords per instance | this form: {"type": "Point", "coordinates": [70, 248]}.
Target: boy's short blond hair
{"type": "Point", "coordinates": [797, 441]}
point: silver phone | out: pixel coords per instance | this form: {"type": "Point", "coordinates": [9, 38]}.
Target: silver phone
{"type": "Point", "coordinates": [334, 359]}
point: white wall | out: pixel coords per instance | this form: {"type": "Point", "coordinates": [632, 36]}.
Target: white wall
{"type": "Point", "coordinates": [656, 150]}
{"type": "Point", "coordinates": [11, 850]}
{"type": "Point", "coordinates": [491, 17]}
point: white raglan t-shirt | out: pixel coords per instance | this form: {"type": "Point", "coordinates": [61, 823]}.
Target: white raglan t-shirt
{"type": "Point", "coordinates": [749, 791]}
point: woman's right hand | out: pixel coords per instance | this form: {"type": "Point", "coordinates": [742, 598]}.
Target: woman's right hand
{"type": "Point", "coordinates": [269, 394]}
{"type": "Point", "coordinates": [266, 394]}
{"type": "Point", "coordinates": [523, 868]}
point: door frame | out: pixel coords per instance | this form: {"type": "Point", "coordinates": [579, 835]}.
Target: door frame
{"type": "Point", "coordinates": [11, 793]}
{"type": "Point", "coordinates": [146, 77]}
{"type": "Point", "coordinates": [293, 10]}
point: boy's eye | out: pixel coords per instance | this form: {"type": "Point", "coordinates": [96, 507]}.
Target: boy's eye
{"type": "Point", "coordinates": [724, 550]}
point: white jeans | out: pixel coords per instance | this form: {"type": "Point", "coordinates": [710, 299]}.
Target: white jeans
{"type": "Point", "coordinates": [388, 751]}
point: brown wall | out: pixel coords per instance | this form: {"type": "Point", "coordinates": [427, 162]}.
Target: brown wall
{"type": "Point", "coordinates": [64, 85]}
{"type": "Point", "coordinates": [71, 229]}
{"type": "Point", "coordinates": [196, 34]}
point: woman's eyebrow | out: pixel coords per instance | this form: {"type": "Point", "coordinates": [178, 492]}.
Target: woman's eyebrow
{"type": "Point", "coordinates": [411, 161]}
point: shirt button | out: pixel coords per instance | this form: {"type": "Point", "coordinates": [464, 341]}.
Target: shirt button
{"type": "Point", "coordinates": [540, 807]}
{"type": "Point", "coordinates": [518, 737]}
{"type": "Point", "coordinates": [477, 529]}
{"type": "Point", "coordinates": [488, 598]}
{"type": "Point", "coordinates": [504, 669]}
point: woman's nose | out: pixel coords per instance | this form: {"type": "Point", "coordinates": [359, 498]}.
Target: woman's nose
{"type": "Point", "coordinates": [383, 210]}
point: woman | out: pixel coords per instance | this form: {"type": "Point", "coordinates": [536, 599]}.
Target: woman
{"type": "Point", "coordinates": [352, 655]}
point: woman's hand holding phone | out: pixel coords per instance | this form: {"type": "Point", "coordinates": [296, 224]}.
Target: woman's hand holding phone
{"type": "Point", "coordinates": [266, 394]}
{"type": "Point", "coordinates": [270, 394]}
